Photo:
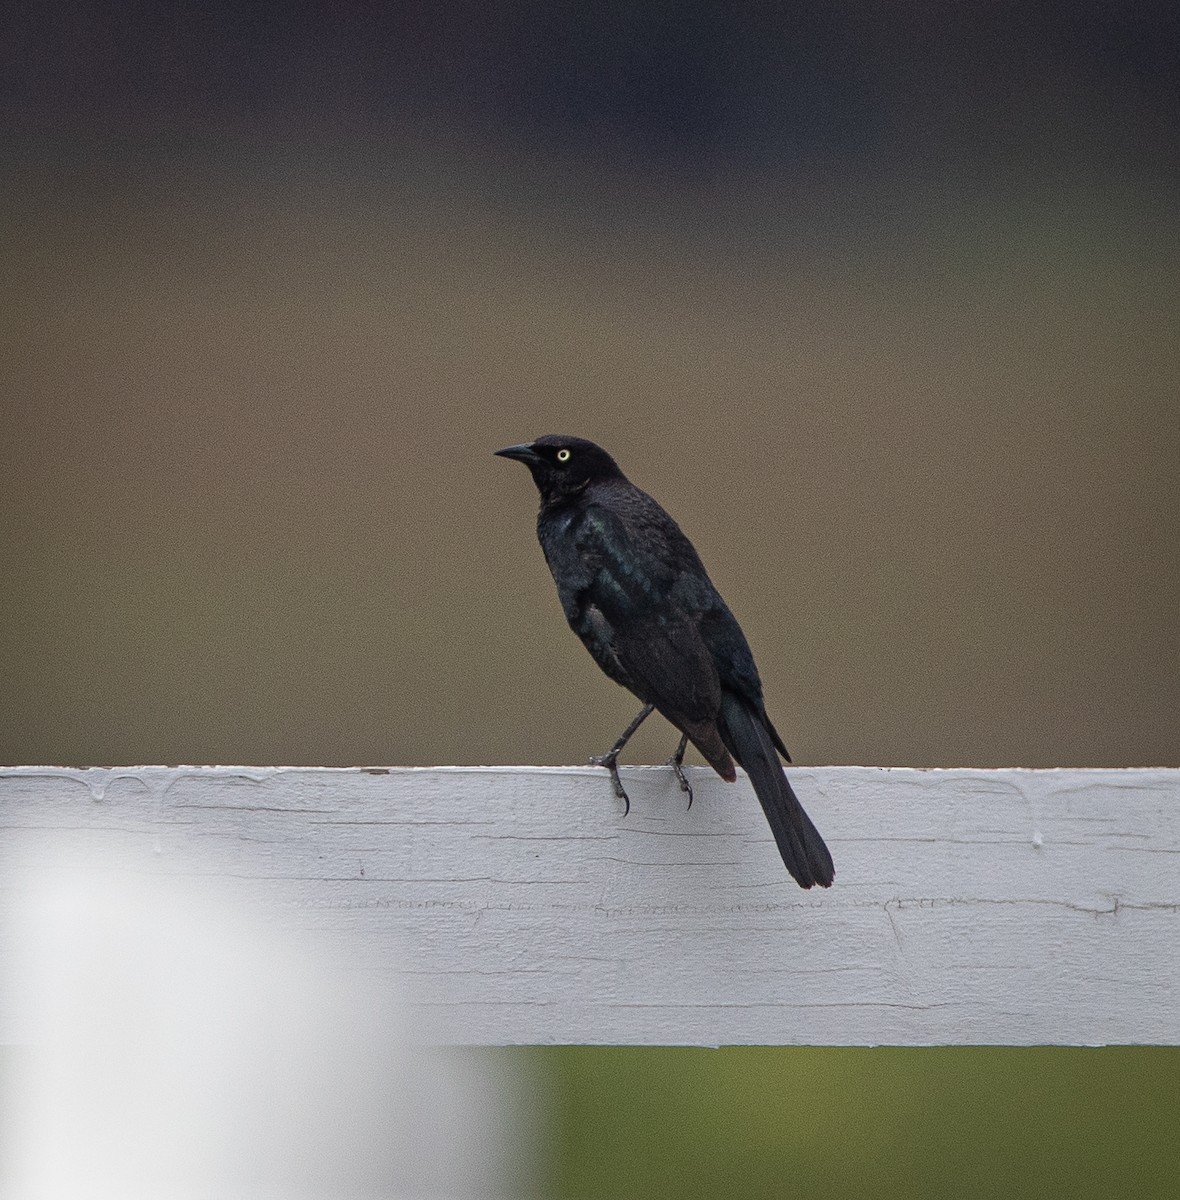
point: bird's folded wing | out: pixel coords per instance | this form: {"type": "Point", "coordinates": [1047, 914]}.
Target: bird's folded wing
{"type": "Point", "coordinates": [670, 667]}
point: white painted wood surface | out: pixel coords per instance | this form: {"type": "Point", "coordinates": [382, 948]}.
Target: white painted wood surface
{"type": "Point", "coordinates": [518, 905]}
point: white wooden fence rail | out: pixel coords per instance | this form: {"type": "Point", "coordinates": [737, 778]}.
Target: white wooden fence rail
{"type": "Point", "coordinates": [518, 905]}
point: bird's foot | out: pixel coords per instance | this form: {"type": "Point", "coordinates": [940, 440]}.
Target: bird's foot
{"type": "Point", "coordinates": [681, 778]}
{"type": "Point", "coordinates": [676, 762]}
{"type": "Point", "coordinates": [609, 761]}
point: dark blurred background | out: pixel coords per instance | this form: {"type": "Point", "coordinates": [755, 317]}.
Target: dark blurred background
{"type": "Point", "coordinates": [881, 300]}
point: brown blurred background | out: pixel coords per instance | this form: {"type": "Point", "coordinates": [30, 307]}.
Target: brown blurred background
{"type": "Point", "coordinates": [880, 301]}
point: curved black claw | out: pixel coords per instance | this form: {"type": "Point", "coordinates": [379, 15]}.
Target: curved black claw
{"type": "Point", "coordinates": [609, 761]}
{"type": "Point", "coordinates": [685, 786]}
{"type": "Point", "coordinates": [611, 757]}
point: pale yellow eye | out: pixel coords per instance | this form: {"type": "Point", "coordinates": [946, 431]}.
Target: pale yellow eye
{"type": "Point", "coordinates": [563, 455]}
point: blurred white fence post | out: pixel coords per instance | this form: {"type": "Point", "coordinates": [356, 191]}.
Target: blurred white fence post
{"type": "Point", "coordinates": [517, 905]}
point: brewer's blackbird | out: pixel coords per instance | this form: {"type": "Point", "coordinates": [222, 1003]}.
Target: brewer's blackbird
{"type": "Point", "coordinates": [635, 591]}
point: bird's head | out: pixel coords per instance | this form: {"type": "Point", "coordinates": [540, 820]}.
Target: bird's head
{"type": "Point", "coordinates": [563, 467]}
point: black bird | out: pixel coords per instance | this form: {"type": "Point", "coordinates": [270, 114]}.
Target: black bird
{"type": "Point", "coordinates": [635, 591]}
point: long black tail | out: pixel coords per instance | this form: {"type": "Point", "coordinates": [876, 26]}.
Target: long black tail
{"type": "Point", "coordinates": [748, 740]}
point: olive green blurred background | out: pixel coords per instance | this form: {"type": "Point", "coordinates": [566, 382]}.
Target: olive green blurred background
{"type": "Point", "coordinates": [882, 307]}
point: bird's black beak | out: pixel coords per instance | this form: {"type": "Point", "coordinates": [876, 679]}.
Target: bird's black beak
{"type": "Point", "coordinates": [523, 453]}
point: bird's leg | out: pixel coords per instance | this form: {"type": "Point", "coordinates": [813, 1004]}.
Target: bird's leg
{"type": "Point", "coordinates": [611, 757]}
{"type": "Point", "coordinates": [676, 762]}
